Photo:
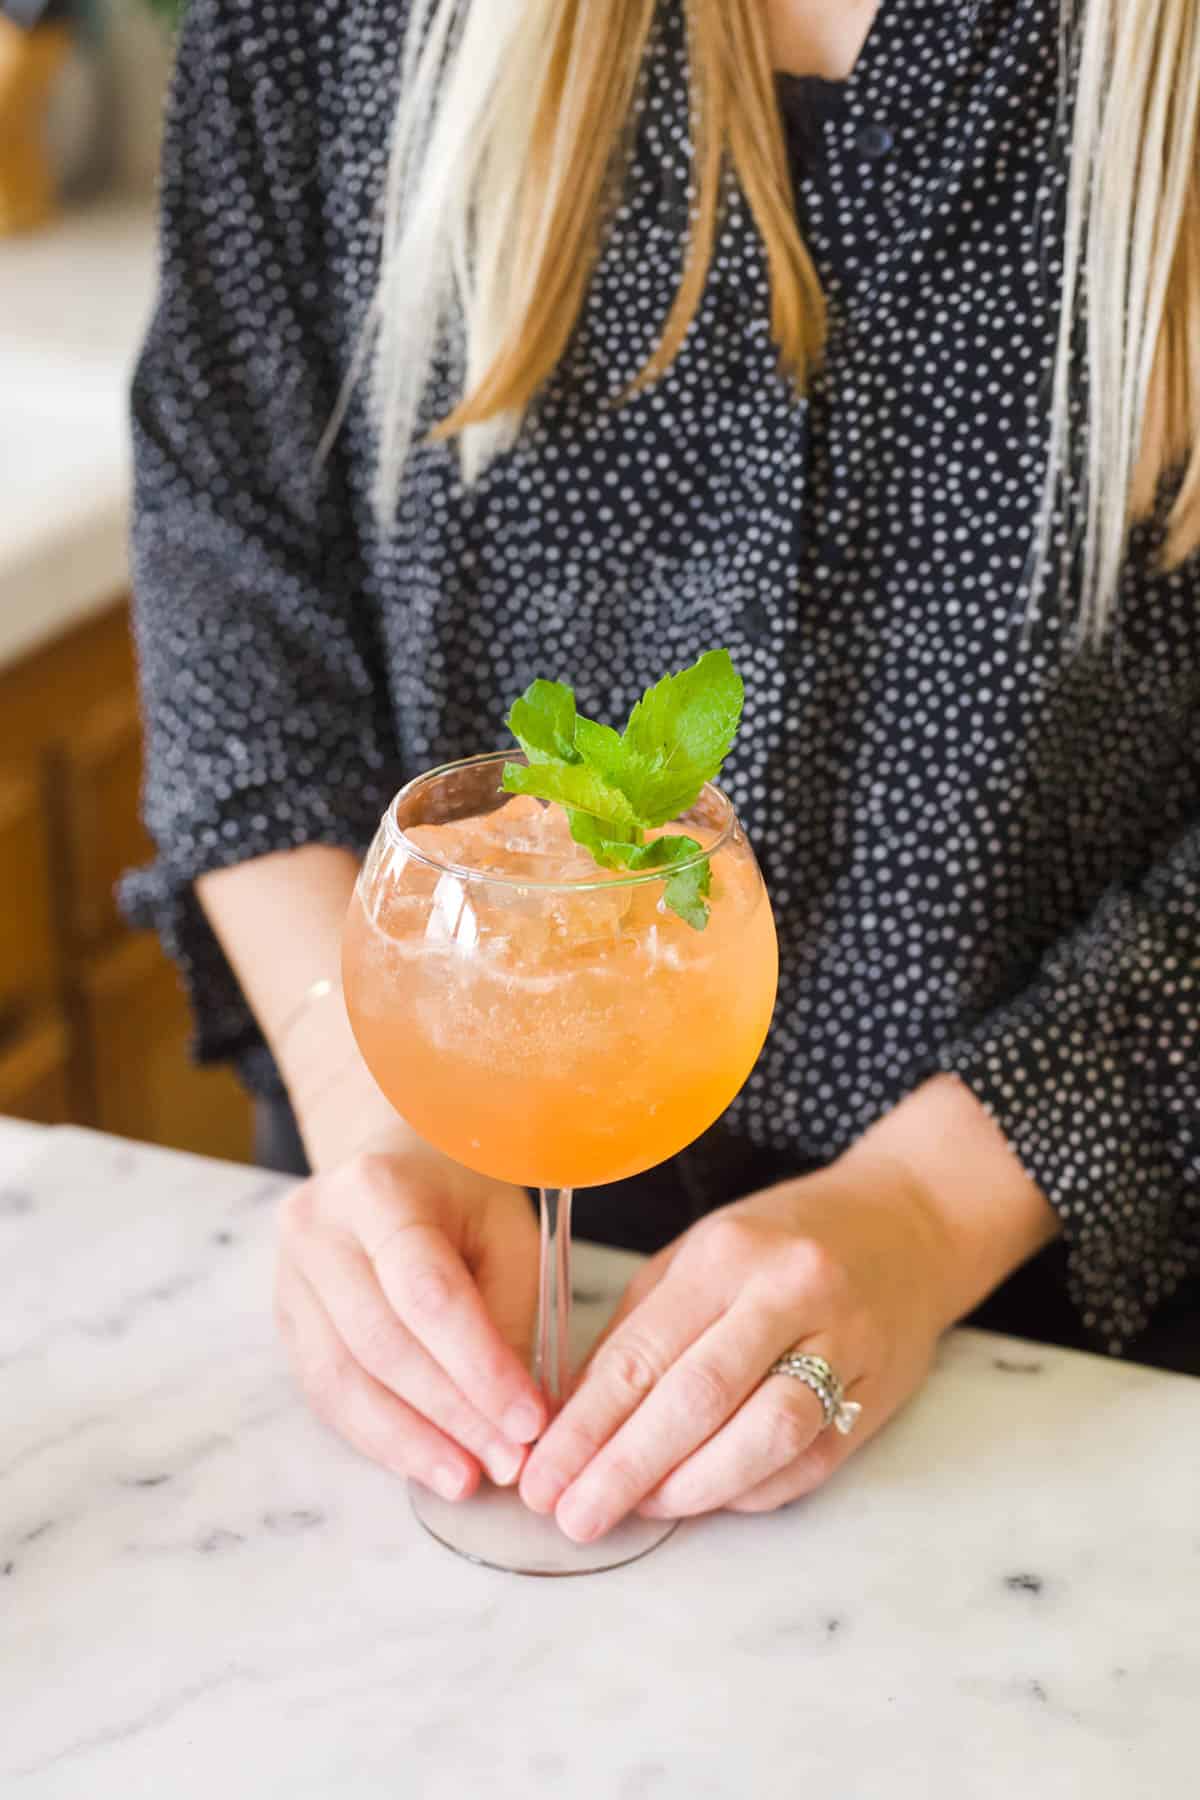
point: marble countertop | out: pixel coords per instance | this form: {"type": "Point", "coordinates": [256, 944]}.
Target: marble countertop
{"type": "Point", "coordinates": [76, 299]}
{"type": "Point", "coordinates": [201, 1592]}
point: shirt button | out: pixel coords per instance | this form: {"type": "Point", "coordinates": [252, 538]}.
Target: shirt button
{"type": "Point", "coordinates": [875, 141]}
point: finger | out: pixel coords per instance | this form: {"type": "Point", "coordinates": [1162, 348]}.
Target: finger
{"type": "Point", "coordinates": [623, 1371]}
{"type": "Point", "coordinates": [778, 1424]}
{"type": "Point", "coordinates": [339, 1271]}
{"type": "Point", "coordinates": [429, 1286]}
{"type": "Point", "coordinates": [639, 1289]}
{"type": "Point", "coordinates": [359, 1408]}
{"type": "Point", "coordinates": [693, 1401]}
{"type": "Point", "coordinates": [824, 1457]}
{"type": "Point", "coordinates": [809, 1472]}
{"type": "Point", "coordinates": [505, 1266]}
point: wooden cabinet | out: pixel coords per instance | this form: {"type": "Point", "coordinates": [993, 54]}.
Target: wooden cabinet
{"type": "Point", "coordinates": [95, 778]}
{"type": "Point", "coordinates": [94, 1026]}
{"type": "Point", "coordinates": [35, 1073]}
{"type": "Point", "coordinates": [133, 1021]}
{"type": "Point", "coordinates": [28, 941]}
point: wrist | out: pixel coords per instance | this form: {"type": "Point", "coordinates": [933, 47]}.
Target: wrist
{"type": "Point", "coordinates": [339, 1109]}
{"type": "Point", "coordinates": [985, 1213]}
{"type": "Point", "coordinates": [341, 1113]}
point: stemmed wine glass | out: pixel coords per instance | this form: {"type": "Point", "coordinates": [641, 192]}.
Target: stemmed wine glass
{"type": "Point", "coordinates": [550, 1023]}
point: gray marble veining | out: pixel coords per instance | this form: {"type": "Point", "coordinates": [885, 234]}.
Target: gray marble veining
{"type": "Point", "coordinates": [202, 1593]}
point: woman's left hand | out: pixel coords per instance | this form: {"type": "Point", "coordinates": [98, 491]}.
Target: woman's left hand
{"type": "Point", "coordinates": [675, 1414]}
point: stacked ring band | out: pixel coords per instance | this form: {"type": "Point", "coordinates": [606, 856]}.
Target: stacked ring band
{"type": "Point", "coordinates": [818, 1375]}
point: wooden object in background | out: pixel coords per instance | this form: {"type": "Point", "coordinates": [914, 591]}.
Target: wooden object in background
{"type": "Point", "coordinates": [93, 1023]}
{"type": "Point", "coordinates": [28, 948]}
{"type": "Point", "coordinates": [35, 1074]}
{"type": "Point", "coordinates": [93, 778]}
{"type": "Point", "coordinates": [133, 1017]}
{"type": "Point", "coordinates": [29, 62]}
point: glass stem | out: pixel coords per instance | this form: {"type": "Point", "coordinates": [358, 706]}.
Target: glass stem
{"type": "Point", "coordinates": [552, 1352]}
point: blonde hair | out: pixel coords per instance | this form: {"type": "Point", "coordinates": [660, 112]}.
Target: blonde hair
{"type": "Point", "coordinates": [507, 153]}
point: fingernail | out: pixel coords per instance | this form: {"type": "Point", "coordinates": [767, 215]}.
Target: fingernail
{"type": "Point", "coordinates": [521, 1422]}
{"type": "Point", "coordinates": [580, 1520]}
{"type": "Point", "coordinates": [503, 1464]}
{"type": "Point", "coordinates": [449, 1482]}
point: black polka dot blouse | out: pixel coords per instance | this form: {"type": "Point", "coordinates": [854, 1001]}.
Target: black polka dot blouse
{"type": "Point", "coordinates": [983, 847]}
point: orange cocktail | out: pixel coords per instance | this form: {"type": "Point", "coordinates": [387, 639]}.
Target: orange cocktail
{"type": "Point", "coordinates": [557, 1016]}
{"type": "Point", "coordinates": [545, 1021]}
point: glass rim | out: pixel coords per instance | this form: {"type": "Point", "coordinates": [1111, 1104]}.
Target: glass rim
{"type": "Point", "coordinates": [602, 881]}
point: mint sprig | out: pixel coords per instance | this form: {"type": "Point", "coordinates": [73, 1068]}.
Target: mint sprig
{"type": "Point", "coordinates": [616, 786]}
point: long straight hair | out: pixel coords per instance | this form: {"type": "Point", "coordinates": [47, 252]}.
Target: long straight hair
{"type": "Point", "coordinates": [507, 151]}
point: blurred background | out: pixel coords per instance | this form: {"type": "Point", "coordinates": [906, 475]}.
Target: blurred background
{"type": "Point", "coordinates": [93, 1027]}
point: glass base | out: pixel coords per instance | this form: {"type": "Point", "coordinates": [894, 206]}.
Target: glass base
{"type": "Point", "coordinates": [495, 1527]}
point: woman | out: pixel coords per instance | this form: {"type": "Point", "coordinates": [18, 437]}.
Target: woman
{"type": "Point", "coordinates": [769, 357]}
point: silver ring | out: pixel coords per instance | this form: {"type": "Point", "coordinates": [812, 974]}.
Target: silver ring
{"type": "Point", "coordinates": [817, 1374]}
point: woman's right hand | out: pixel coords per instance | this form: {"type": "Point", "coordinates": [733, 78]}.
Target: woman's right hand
{"type": "Point", "coordinates": [407, 1285]}
{"type": "Point", "coordinates": [406, 1294]}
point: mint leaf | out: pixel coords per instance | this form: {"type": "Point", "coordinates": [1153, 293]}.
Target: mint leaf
{"type": "Point", "coordinates": [687, 894]}
{"type": "Point", "coordinates": [615, 786]}
{"type": "Point", "coordinates": [659, 854]}
{"type": "Point", "coordinates": [571, 784]}
{"type": "Point", "coordinates": [678, 735]}
{"type": "Point", "coordinates": [599, 835]}
{"type": "Point", "coordinates": [602, 749]}
{"type": "Point", "coordinates": [543, 722]}
{"type": "Point", "coordinates": [684, 893]}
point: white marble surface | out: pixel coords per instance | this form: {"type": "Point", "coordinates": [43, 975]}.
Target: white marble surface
{"type": "Point", "coordinates": [76, 297]}
{"type": "Point", "coordinates": [202, 1593]}
{"type": "Point", "coordinates": [20, 1142]}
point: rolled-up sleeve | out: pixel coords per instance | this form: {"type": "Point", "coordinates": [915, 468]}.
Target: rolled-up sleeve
{"type": "Point", "coordinates": [1093, 1074]}
{"type": "Point", "coordinates": [267, 724]}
